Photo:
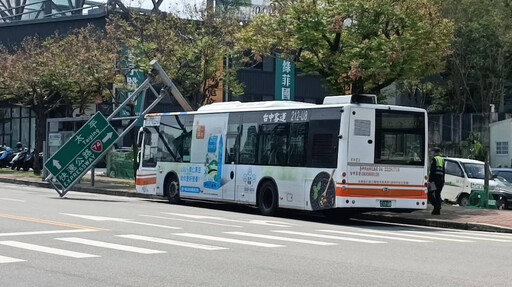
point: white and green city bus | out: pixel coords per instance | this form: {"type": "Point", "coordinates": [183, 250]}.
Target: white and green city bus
{"type": "Point", "coordinates": [348, 152]}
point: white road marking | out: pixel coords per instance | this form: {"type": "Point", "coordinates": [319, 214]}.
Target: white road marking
{"type": "Point", "coordinates": [45, 249]}
{"type": "Point", "coordinates": [375, 236]}
{"type": "Point", "coordinates": [110, 245]}
{"type": "Point", "coordinates": [416, 236]}
{"type": "Point", "coordinates": [171, 242]}
{"type": "Point", "coordinates": [10, 199]}
{"type": "Point", "coordinates": [45, 232]}
{"type": "Point", "coordinates": [328, 236]}
{"type": "Point", "coordinates": [124, 220]}
{"type": "Point", "coordinates": [230, 240]}
{"type": "Point", "coordinates": [280, 238]}
{"type": "Point", "coordinates": [188, 220]}
{"type": "Point", "coordinates": [482, 233]}
{"type": "Point", "coordinates": [96, 218]}
{"type": "Point", "coordinates": [249, 221]}
{"type": "Point", "coordinates": [4, 259]}
{"type": "Point", "coordinates": [459, 236]}
{"type": "Point", "coordinates": [153, 225]}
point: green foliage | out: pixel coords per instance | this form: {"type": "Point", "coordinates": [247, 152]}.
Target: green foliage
{"type": "Point", "coordinates": [482, 53]}
{"type": "Point", "coordinates": [73, 70]}
{"type": "Point", "coordinates": [473, 147]}
{"type": "Point", "coordinates": [44, 74]}
{"type": "Point", "coordinates": [191, 52]}
{"type": "Point", "coordinates": [366, 43]}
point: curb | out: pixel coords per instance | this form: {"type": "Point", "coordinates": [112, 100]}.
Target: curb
{"type": "Point", "coordinates": [376, 217]}
{"type": "Point", "coordinates": [91, 189]}
{"type": "Point", "coordinates": [473, 226]}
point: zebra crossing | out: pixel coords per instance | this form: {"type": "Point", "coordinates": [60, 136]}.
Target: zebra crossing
{"type": "Point", "coordinates": [225, 240]}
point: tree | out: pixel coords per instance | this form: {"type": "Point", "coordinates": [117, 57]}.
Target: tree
{"type": "Point", "coordinates": [482, 53]}
{"type": "Point", "coordinates": [190, 51]}
{"type": "Point", "coordinates": [46, 74]}
{"type": "Point", "coordinates": [366, 43]}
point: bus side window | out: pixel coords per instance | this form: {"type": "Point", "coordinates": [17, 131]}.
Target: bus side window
{"type": "Point", "coordinates": [273, 144]}
{"type": "Point", "coordinates": [150, 147]}
{"type": "Point", "coordinates": [233, 139]}
{"type": "Point", "coordinates": [249, 144]}
{"type": "Point", "coordinates": [297, 153]}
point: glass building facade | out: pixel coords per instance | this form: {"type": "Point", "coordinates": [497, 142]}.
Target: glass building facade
{"type": "Point", "coordinates": [17, 124]}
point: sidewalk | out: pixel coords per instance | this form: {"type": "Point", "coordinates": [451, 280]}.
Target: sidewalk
{"type": "Point", "coordinates": [451, 216]}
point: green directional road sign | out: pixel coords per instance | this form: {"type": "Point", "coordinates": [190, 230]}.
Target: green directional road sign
{"type": "Point", "coordinates": [80, 152]}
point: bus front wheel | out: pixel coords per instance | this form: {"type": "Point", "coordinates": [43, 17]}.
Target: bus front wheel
{"type": "Point", "coordinates": [172, 190]}
{"type": "Point", "coordinates": [267, 198]}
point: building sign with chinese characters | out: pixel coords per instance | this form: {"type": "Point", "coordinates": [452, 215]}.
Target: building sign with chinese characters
{"type": "Point", "coordinates": [285, 79]}
{"type": "Point", "coordinates": [79, 153]}
{"type": "Point", "coordinates": [134, 78]}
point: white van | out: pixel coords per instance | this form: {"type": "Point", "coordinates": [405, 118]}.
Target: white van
{"type": "Point", "coordinates": [461, 176]}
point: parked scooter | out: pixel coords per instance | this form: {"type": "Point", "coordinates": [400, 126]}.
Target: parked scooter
{"type": "Point", "coordinates": [19, 158]}
{"type": "Point", "coordinates": [6, 157]}
{"type": "Point", "coordinates": [28, 161]}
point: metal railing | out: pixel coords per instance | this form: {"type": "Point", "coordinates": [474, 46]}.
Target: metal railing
{"type": "Point", "coordinates": [45, 9]}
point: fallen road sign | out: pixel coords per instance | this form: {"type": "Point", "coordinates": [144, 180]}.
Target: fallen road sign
{"type": "Point", "coordinates": [81, 151]}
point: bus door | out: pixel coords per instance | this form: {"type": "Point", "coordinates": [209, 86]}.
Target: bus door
{"type": "Point", "coordinates": [361, 139]}
{"type": "Point", "coordinates": [146, 173]}
{"type": "Point", "coordinates": [209, 136]}
{"type": "Point", "coordinates": [231, 157]}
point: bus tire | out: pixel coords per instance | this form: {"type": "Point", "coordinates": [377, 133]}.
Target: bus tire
{"type": "Point", "coordinates": [172, 189]}
{"type": "Point", "coordinates": [268, 198]}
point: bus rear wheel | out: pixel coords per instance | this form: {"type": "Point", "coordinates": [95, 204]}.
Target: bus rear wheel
{"type": "Point", "coordinates": [267, 199]}
{"type": "Point", "coordinates": [172, 190]}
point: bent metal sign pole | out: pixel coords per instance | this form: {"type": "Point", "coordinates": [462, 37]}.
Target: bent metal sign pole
{"type": "Point", "coordinates": [91, 142]}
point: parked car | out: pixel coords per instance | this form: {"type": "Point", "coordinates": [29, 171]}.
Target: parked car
{"type": "Point", "coordinates": [503, 193]}
{"type": "Point", "coordinates": [461, 177]}
{"type": "Point", "coordinates": [506, 173]}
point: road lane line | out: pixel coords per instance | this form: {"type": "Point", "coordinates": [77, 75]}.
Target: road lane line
{"type": "Point", "coordinates": [4, 259]}
{"type": "Point", "coordinates": [229, 240]}
{"type": "Point", "coordinates": [248, 221]}
{"type": "Point", "coordinates": [375, 236]}
{"type": "Point", "coordinates": [114, 219]}
{"type": "Point", "coordinates": [460, 236]}
{"type": "Point", "coordinates": [153, 225]}
{"type": "Point", "coordinates": [416, 236]}
{"type": "Point", "coordinates": [485, 234]}
{"type": "Point", "coordinates": [188, 220]}
{"type": "Point", "coordinates": [171, 242]}
{"type": "Point", "coordinates": [328, 236]}
{"type": "Point", "coordinates": [10, 199]}
{"type": "Point", "coordinates": [45, 249]}
{"type": "Point", "coordinates": [45, 232]}
{"type": "Point", "coordinates": [110, 245]}
{"type": "Point", "coordinates": [49, 222]}
{"type": "Point", "coordinates": [280, 238]}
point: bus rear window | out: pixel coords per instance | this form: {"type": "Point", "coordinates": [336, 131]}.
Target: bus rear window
{"type": "Point", "coordinates": [400, 138]}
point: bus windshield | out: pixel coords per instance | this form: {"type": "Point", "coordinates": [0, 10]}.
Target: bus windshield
{"type": "Point", "coordinates": [400, 137]}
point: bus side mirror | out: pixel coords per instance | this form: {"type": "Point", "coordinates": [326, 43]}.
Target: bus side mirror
{"type": "Point", "coordinates": [139, 137]}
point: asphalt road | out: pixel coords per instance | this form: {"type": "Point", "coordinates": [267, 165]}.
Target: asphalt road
{"type": "Point", "coordinates": [97, 240]}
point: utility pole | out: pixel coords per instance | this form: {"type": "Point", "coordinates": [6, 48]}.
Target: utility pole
{"type": "Point", "coordinates": [487, 146]}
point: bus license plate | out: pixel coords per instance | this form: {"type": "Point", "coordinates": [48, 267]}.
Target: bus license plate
{"type": "Point", "coordinates": [385, 203]}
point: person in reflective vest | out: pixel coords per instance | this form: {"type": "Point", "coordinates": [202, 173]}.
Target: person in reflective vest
{"type": "Point", "coordinates": [436, 181]}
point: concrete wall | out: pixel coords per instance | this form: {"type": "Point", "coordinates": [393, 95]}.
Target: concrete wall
{"type": "Point", "coordinates": [501, 132]}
